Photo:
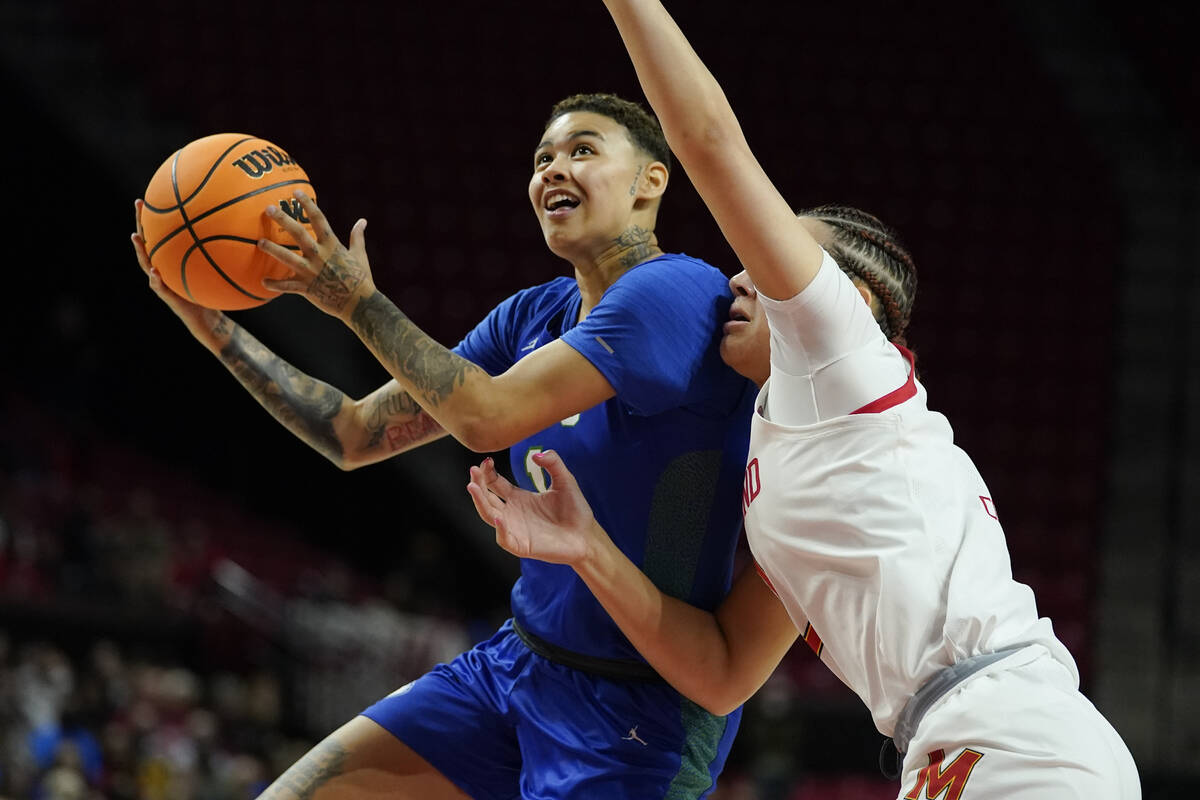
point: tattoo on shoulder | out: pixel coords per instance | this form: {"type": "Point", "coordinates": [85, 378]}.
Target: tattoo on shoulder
{"type": "Point", "coordinates": [433, 369]}
{"type": "Point", "coordinates": [314, 770]}
{"type": "Point", "coordinates": [305, 406]}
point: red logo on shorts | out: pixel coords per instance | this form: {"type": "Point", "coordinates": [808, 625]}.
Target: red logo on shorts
{"type": "Point", "coordinates": [951, 780]}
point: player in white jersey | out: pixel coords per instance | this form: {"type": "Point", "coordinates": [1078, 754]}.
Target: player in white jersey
{"type": "Point", "coordinates": [867, 523]}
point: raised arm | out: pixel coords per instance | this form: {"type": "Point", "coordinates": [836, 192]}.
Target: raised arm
{"type": "Point", "coordinates": [780, 255]}
{"type": "Point", "coordinates": [350, 433]}
{"type": "Point", "coordinates": [716, 659]}
{"type": "Point", "coordinates": [484, 412]}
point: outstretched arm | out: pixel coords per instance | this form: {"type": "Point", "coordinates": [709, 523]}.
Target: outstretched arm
{"type": "Point", "coordinates": [483, 412]}
{"type": "Point", "coordinates": [350, 433]}
{"type": "Point", "coordinates": [780, 255]}
{"type": "Point", "coordinates": [717, 660]}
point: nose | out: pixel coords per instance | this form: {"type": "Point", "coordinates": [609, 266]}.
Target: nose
{"type": "Point", "coordinates": [554, 173]}
{"type": "Point", "coordinates": [741, 285]}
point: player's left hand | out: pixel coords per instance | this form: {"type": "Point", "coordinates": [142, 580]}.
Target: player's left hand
{"type": "Point", "coordinates": [330, 276]}
{"type": "Point", "coordinates": [555, 525]}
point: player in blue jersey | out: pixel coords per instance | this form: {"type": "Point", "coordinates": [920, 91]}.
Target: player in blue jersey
{"type": "Point", "coordinates": [619, 368]}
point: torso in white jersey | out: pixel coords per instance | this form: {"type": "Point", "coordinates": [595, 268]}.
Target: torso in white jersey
{"type": "Point", "coordinates": [868, 521]}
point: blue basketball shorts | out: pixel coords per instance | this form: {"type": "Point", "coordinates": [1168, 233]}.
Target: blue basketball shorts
{"type": "Point", "coordinates": [502, 722]}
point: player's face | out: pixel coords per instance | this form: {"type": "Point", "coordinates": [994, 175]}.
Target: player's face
{"type": "Point", "coordinates": [746, 343]}
{"type": "Point", "coordinates": [746, 340]}
{"type": "Point", "coordinates": [583, 188]}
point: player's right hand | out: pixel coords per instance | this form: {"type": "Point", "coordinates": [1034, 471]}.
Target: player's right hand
{"type": "Point", "coordinates": [205, 324]}
{"type": "Point", "coordinates": [556, 525]}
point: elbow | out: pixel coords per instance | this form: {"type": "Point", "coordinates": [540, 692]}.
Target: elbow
{"type": "Point", "coordinates": [483, 436]}
{"type": "Point", "coordinates": [710, 134]}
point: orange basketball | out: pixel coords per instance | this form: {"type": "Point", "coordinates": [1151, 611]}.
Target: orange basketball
{"type": "Point", "coordinates": [203, 216]}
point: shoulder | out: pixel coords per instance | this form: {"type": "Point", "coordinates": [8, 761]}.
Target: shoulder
{"type": "Point", "coordinates": [545, 295]}
{"type": "Point", "coordinates": [676, 272]}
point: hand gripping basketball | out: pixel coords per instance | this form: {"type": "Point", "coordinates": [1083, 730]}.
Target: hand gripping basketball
{"type": "Point", "coordinates": [330, 276]}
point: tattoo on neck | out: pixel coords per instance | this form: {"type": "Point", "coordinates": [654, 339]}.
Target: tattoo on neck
{"type": "Point", "coordinates": [407, 351]}
{"type": "Point", "coordinates": [303, 405]}
{"type": "Point", "coordinates": [638, 243]}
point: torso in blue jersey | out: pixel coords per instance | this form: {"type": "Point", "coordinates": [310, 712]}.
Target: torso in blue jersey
{"type": "Point", "coordinates": [661, 463]}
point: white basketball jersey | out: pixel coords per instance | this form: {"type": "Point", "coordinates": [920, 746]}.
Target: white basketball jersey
{"type": "Point", "coordinates": [866, 518]}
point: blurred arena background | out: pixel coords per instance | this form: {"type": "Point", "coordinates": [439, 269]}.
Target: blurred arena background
{"type": "Point", "coordinates": [189, 597]}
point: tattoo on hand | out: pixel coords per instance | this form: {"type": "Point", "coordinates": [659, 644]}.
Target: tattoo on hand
{"type": "Point", "coordinates": [405, 348]}
{"type": "Point", "coordinates": [311, 772]}
{"type": "Point", "coordinates": [335, 283]}
{"type": "Point", "coordinates": [305, 406]}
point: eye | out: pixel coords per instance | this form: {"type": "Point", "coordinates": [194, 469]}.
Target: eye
{"type": "Point", "coordinates": [582, 149]}
{"type": "Point", "coordinates": [542, 158]}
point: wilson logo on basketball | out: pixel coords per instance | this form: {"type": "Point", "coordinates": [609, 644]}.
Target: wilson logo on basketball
{"type": "Point", "coordinates": [257, 163]}
{"type": "Point", "coordinates": [294, 210]}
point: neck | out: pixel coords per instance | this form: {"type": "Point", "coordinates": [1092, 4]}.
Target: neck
{"type": "Point", "coordinates": [634, 246]}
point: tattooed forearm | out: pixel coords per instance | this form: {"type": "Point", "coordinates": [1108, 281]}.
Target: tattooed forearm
{"type": "Point", "coordinates": [303, 405]}
{"type": "Point", "coordinates": [406, 434]}
{"type": "Point", "coordinates": [399, 417]}
{"type": "Point", "coordinates": [310, 773]}
{"type": "Point", "coordinates": [407, 352]}
{"type": "Point", "coordinates": [636, 245]}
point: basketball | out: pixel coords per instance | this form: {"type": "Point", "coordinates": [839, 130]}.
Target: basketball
{"type": "Point", "coordinates": [203, 217]}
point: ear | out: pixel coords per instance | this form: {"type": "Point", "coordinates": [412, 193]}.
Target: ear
{"type": "Point", "coordinates": [866, 294]}
{"type": "Point", "coordinates": [653, 181]}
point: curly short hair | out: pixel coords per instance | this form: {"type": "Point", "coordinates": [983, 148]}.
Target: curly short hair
{"type": "Point", "coordinates": [869, 250]}
{"type": "Point", "coordinates": [643, 127]}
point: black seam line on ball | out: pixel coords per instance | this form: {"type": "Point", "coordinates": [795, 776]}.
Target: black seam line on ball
{"type": "Point", "coordinates": [196, 191]}
{"type": "Point", "coordinates": [215, 209]}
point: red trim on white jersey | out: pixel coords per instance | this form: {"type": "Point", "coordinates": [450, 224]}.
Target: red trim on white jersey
{"type": "Point", "coordinates": [898, 396]}
{"type": "Point", "coordinates": [766, 580]}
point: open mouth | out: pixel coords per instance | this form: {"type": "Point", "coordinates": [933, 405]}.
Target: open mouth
{"type": "Point", "coordinates": [559, 201]}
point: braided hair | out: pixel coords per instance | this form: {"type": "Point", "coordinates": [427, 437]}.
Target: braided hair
{"type": "Point", "coordinates": [867, 249]}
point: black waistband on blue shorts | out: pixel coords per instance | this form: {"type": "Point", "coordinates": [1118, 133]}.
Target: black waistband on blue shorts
{"type": "Point", "coordinates": [612, 668]}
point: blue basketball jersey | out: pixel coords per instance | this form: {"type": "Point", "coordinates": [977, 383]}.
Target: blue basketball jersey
{"type": "Point", "coordinates": [661, 463]}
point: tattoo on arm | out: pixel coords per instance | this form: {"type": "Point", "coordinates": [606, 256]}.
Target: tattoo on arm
{"type": "Point", "coordinates": [408, 352]}
{"type": "Point", "coordinates": [311, 772]}
{"type": "Point", "coordinates": [305, 406]}
{"type": "Point", "coordinates": [397, 417]}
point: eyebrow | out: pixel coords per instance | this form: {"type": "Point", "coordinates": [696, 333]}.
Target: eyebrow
{"type": "Point", "coordinates": [574, 135]}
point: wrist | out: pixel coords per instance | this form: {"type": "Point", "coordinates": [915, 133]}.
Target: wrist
{"type": "Point", "coordinates": [216, 330]}
{"type": "Point", "coordinates": [598, 551]}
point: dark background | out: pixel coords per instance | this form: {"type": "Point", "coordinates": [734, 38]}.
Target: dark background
{"type": "Point", "coordinates": [991, 137]}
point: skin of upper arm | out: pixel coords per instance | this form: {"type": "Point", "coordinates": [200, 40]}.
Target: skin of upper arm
{"type": "Point", "coordinates": [758, 632]}
{"type": "Point", "coordinates": [780, 255]}
{"type": "Point", "coordinates": [543, 388]}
